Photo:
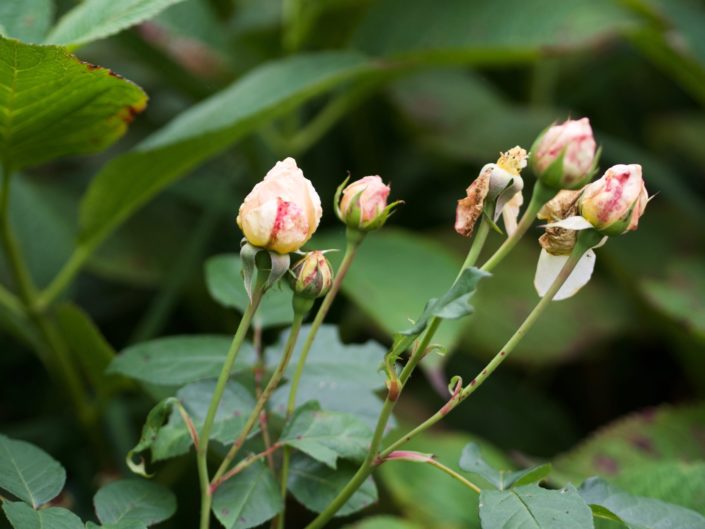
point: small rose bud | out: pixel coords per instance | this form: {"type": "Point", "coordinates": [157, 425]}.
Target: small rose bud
{"type": "Point", "coordinates": [312, 275]}
{"type": "Point", "coordinates": [364, 204]}
{"type": "Point", "coordinates": [282, 211]}
{"type": "Point", "coordinates": [614, 203]}
{"type": "Point", "coordinates": [564, 156]}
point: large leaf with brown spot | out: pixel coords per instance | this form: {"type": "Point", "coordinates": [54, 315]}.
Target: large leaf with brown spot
{"type": "Point", "coordinates": [657, 434]}
{"type": "Point", "coordinates": [52, 104]}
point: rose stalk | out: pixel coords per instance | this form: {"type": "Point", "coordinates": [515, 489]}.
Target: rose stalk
{"type": "Point", "coordinates": [278, 216]}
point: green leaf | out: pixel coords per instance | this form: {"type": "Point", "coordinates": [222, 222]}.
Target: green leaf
{"type": "Point", "coordinates": [325, 436]}
{"type": "Point", "coordinates": [486, 31]}
{"type": "Point", "coordinates": [386, 266]}
{"type": "Point", "coordinates": [471, 460]}
{"type": "Point", "coordinates": [248, 499]}
{"type": "Point", "coordinates": [638, 512]}
{"type": "Point", "coordinates": [383, 522]}
{"type": "Point", "coordinates": [531, 507]}
{"type": "Point", "coordinates": [334, 371]}
{"type": "Point", "coordinates": [235, 407]}
{"type": "Point", "coordinates": [663, 433]}
{"type": "Point", "coordinates": [226, 286]}
{"type": "Point", "coordinates": [29, 473]}
{"type": "Point", "coordinates": [680, 295]}
{"type": "Point", "coordinates": [52, 104]}
{"type": "Point", "coordinates": [150, 430]}
{"type": "Point", "coordinates": [315, 485]}
{"type": "Point", "coordinates": [446, 503]}
{"type": "Point", "coordinates": [96, 19]}
{"type": "Point", "coordinates": [178, 360]}
{"type": "Point", "coordinates": [672, 481]}
{"type": "Point", "coordinates": [123, 524]}
{"type": "Point", "coordinates": [205, 129]}
{"type": "Point", "coordinates": [22, 516]}
{"type": "Point", "coordinates": [87, 344]}
{"type": "Point", "coordinates": [134, 500]}
{"type": "Point", "coordinates": [452, 305]}
{"type": "Point", "coordinates": [27, 20]}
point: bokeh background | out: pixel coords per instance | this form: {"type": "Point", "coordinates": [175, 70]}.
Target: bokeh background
{"type": "Point", "coordinates": [609, 382]}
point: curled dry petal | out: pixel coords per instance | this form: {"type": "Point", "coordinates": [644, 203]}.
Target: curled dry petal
{"type": "Point", "coordinates": [282, 212]}
{"type": "Point", "coordinates": [469, 209]}
{"type": "Point", "coordinates": [559, 240]}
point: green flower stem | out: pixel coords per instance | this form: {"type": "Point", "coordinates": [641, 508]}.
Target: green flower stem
{"type": "Point", "coordinates": [371, 460]}
{"type": "Point", "coordinates": [204, 436]}
{"type": "Point", "coordinates": [264, 397]}
{"type": "Point", "coordinates": [350, 252]}
{"type": "Point", "coordinates": [56, 357]}
{"type": "Point", "coordinates": [67, 273]}
{"type": "Point", "coordinates": [539, 197]}
{"type": "Point", "coordinates": [504, 352]}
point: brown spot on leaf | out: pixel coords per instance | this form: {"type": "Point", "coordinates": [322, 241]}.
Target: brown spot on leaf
{"type": "Point", "coordinates": [644, 444]}
{"type": "Point", "coordinates": [605, 464]}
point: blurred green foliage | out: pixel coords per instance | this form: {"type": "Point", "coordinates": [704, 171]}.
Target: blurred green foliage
{"type": "Point", "coordinates": [422, 93]}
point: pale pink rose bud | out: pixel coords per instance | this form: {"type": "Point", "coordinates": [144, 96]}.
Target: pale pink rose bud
{"type": "Point", "coordinates": [614, 203]}
{"type": "Point", "coordinates": [564, 156]}
{"type": "Point", "coordinates": [312, 275]}
{"type": "Point", "coordinates": [282, 211]}
{"type": "Point", "coordinates": [364, 204]}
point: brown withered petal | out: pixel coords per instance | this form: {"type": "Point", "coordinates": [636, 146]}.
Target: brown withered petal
{"type": "Point", "coordinates": [559, 241]}
{"type": "Point", "coordinates": [470, 208]}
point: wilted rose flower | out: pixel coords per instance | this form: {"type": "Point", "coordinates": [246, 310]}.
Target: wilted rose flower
{"type": "Point", "coordinates": [312, 276]}
{"type": "Point", "coordinates": [557, 240]}
{"type": "Point", "coordinates": [282, 211]}
{"type": "Point", "coordinates": [363, 203]}
{"type": "Point", "coordinates": [614, 203]}
{"type": "Point", "coordinates": [564, 156]}
{"type": "Point", "coordinates": [496, 187]}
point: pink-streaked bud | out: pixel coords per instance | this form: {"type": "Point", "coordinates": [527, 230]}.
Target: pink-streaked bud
{"type": "Point", "coordinates": [614, 203]}
{"type": "Point", "coordinates": [312, 275]}
{"type": "Point", "coordinates": [363, 205]}
{"type": "Point", "coordinates": [282, 211]}
{"type": "Point", "coordinates": [564, 156]}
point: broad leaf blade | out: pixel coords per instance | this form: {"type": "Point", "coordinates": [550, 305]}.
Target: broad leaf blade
{"type": "Point", "coordinates": [52, 104]}
{"type": "Point", "coordinates": [248, 499]}
{"type": "Point", "coordinates": [205, 129]}
{"type": "Point", "coordinates": [638, 512]}
{"type": "Point", "coordinates": [178, 360]}
{"type": "Point", "coordinates": [237, 403]}
{"type": "Point", "coordinates": [225, 285]}
{"type": "Point", "coordinates": [27, 20]}
{"type": "Point", "coordinates": [96, 19]}
{"type": "Point", "coordinates": [531, 507]}
{"type": "Point", "coordinates": [471, 460]}
{"type": "Point", "coordinates": [134, 500]}
{"type": "Point", "coordinates": [29, 473]}
{"type": "Point", "coordinates": [22, 516]}
{"type": "Point", "coordinates": [326, 436]}
{"type": "Point", "coordinates": [315, 485]}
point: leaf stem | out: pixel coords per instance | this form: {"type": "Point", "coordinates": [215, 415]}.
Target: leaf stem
{"type": "Point", "coordinates": [264, 397]}
{"type": "Point", "coordinates": [246, 462]}
{"type": "Point", "coordinates": [204, 437]}
{"type": "Point", "coordinates": [453, 474]}
{"type": "Point", "coordinates": [504, 352]}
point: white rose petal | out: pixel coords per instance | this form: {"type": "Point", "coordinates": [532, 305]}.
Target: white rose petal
{"type": "Point", "coordinates": [571, 223]}
{"type": "Point", "coordinates": [549, 266]}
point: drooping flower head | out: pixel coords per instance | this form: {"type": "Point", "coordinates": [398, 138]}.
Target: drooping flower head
{"type": "Point", "coordinates": [282, 212]}
{"type": "Point", "coordinates": [496, 191]}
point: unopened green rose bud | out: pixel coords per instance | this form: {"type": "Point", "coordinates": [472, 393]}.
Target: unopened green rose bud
{"type": "Point", "coordinates": [564, 156]}
{"type": "Point", "coordinates": [614, 203]}
{"type": "Point", "coordinates": [363, 205]}
{"type": "Point", "coordinates": [312, 275]}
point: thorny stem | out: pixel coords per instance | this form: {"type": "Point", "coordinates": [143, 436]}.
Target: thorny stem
{"type": "Point", "coordinates": [202, 451]}
{"type": "Point", "coordinates": [418, 353]}
{"type": "Point", "coordinates": [264, 397]}
{"type": "Point", "coordinates": [350, 252]}
{"type": "Point", "coordinates": [504, 352]}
